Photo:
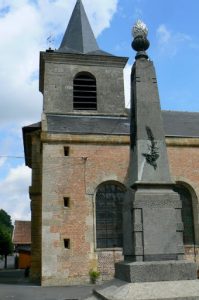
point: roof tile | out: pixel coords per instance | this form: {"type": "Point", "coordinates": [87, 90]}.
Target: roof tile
{"type": "Point", "coordinates": [22, 232]}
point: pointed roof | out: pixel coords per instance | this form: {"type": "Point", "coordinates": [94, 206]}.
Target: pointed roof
{"type": "Point", "coordinates": [79, 37]}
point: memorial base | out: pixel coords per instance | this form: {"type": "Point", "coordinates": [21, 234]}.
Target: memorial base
{"type": "Point", "coordinates": [156, 271]}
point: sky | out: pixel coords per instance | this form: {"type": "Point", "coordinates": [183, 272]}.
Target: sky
{"type": "Point", "coordinates": [25, 26]}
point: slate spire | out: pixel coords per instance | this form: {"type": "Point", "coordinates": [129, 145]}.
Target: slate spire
{"type": "Point", "coordinates": [79, 37]}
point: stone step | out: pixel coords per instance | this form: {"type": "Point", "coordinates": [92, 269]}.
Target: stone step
{"type": "Point", "coordinates": [165, 290]}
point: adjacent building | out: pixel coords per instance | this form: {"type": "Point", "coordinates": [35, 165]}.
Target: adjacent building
{"type": "Point", "coordinates": [22, 244]}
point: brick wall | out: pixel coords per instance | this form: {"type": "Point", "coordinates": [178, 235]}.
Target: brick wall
{"type": "Point", "coordinates": [184, 166]}
{"type": "Point", "coordinates": [106, 263]}
{"type": "Point", "coordinates": [77, 177]}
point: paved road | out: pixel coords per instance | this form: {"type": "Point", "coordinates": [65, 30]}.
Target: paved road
{"type": "Point", "coordinates": [20, 292]}
{"type": "Point", "coordinates": [13, 286]}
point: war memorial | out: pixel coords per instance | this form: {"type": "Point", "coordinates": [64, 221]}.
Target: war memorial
{"type": "Point", "coordinates": [153, 266]}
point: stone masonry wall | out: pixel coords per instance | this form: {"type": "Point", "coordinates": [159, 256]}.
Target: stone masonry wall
{"type": "Point", "coordinates": [36, 202]}
{"type": "Point", "coordinates": [58, 86]}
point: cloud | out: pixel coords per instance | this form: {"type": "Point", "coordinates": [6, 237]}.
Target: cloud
{"type": "Point", "coordinates": [19, 60]}
{"type": "Point", "coordinates": [14, 193]}
{"type": "Point", "coordinates": [163, 34]}
{"type": "Point", "coordinates": [169, 41]}
{"type": "Point", "coordinates": [100, 13]}
{"type": "Point", "coordinates": [24, 28]}
{"type": "Point", "coordinates": [2, 161]}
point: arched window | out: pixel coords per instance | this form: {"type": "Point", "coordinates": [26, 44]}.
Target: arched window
{"type": "Point", "coordinates": [187, 215]}
{"type": "Point", "coordinates": [84, 92]}
{"type": "Point", "coordinates": [109, 202]}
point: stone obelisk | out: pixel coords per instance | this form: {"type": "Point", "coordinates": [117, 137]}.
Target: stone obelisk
{"type": "Point", "coordinates": [153, 266]}
{"type": "Point", "coordinates": [153, 228]}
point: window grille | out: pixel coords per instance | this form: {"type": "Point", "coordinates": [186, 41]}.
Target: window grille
{"type": "Point", "coordinates": [187, 215]}
{"type": "Point", "coordinates": [109, 202]}
{"type": "Point", "coordinates": [84, 92]}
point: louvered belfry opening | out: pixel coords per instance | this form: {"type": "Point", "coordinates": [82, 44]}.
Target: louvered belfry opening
{"type": "Point", "coordinates": [84, 92]}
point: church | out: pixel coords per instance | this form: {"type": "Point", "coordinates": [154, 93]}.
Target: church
{"type": "Point", "coordinates": [79, 156]}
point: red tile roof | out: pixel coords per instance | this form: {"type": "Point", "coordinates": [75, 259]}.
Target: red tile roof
{"type": "Point", "coordinates": [22, 232]}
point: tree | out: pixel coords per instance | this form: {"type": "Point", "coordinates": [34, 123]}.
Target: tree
{"type": "Point", "coordinates": [6, 228]}
{"type": "Point", "coordinates": [5, 220]}
{"type": "Point", "coordinates": [6, 246]}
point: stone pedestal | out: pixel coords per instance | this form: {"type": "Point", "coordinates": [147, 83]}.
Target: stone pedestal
{"type": "Point", "coordinates": [153, 244]}
{"type": "Point", "coordinates": [152, 223]}
{"type": "Point", "coordinates": [156, 271]}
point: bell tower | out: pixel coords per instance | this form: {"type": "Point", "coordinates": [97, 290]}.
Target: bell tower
{"type": "Point", "coordinates": [80, 78]}
{"type": "Point", "coordinates": [83, 104]}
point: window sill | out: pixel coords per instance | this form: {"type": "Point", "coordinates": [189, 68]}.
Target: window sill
{"type": "Point", "coordinates": [109, 249]}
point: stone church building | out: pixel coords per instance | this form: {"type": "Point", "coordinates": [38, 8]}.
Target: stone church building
{"type": "Point", "coordinates": [79, 156]}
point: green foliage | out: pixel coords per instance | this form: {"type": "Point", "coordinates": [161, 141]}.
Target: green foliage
{"type": "Point", "coordinates": [6, 246]}
{"type": "Point", "coordinates": [94, 275]}
{"type": "Point", "coordinates": [5, 221]}
{"type": "Point", "coordinates": [6, 228]}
